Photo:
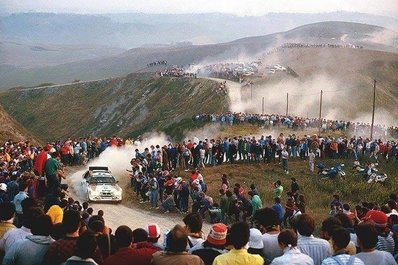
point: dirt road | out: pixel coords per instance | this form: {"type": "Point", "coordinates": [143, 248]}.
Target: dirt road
{"type": "Point", "coordinates": [118, 214]}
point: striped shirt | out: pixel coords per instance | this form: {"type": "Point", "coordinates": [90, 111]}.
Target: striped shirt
{"type": "Point", "coordinates": [386, 243]}
{"type": "Point", "coordinates": [318, 249]}
{"type": "Point", "coordinates": [343, 259]}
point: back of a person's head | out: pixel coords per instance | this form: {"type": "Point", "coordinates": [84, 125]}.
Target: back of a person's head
{"type": "Point", "coordinates": [340, 237]}
{"type": "Point", "coordinates": [86, 245]}
{"type": "Point", "coordinates": [177, 239]}
{"type": "Point", "coordinates": [7, 211]}
{"type": "Point", "coordinates": [101, 213]}
{"type": "Point", "coordinates": [287, 237]}
{"type": "Point", "coordinates": [58, 231]}
{"type": "Point", "coordinates": [42, 225]}
{"type": "Point", "coordinates": [63, 203]}
{"type": "Point", "coordinates": [277, 200]}
{"type": "Point", "coordinates": [96, 223]}
{"type": "Point", "coordinates": [266, 217]}
{"type": "Point", "coordinates": [305, 224]}
{"type": "Point", "coordinates": [30, 214]}
{"type": "Point", "coordinates": [329, 223]}
{"type": "Point", "coordinates": [123, 236]}
{"type": "Point", "coordinates": [194, 222]}
{"type": "Point", "coordinates": [367, 235]}
{"type": "Point", "coordinates": [85, 205]}
{"type": "Point", "coordinates": [239, 235]}
{"type": "Point", "coordinates": [23, 185]}
{"type": "Point", "coordinates": [344, 219]}
{"type": "Point", "coordinates": [71, 221]}
{"type": "Point", "coordinates": [28, 203]}
{"type": "Point", "coordinates": [140, 235]}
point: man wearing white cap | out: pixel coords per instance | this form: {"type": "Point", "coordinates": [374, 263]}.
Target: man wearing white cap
{"type": "Point", "coordinates": [214, 244]}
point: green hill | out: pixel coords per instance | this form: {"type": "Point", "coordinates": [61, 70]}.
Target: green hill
{"type": "Point", "coordinates": [127, 106]}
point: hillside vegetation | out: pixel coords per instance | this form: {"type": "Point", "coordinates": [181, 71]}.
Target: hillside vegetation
{"type": "Point", "coordinates": [128, 106]}
{"type": "Point", "coordinates": [12, 130]}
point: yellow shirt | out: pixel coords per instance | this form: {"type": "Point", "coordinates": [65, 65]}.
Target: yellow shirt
{"type": "Point", "coordinates": [4, 227]}
{"type": "Point", "coordinates": [238, 257]}
{"type": "Point", "coordinates": [56, 214]}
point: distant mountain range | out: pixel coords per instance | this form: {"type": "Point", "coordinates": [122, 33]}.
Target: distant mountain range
{"type": "Point", "coordinates": [368, 36]}
{"type": "Point", "coordinates": [135, 29]}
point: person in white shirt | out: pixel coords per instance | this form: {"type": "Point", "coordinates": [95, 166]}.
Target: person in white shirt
{"type": "Point", "coordinates": [318, 249]}
{"type": "Point", "coordinates": [285, 156]}
{"type": "Point", "coordinates": [340, 239]}
{"type": "Point", "coordinates": [292, 255]}
{"type": "Point", "coordinates": [367, 240]}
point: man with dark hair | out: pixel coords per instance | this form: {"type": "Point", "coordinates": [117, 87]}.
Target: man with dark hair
{"type": "Point", "coordinates": [176, 243]}
{"type": "Point", "coordinates": [123, 256]}
{"type": "Point", "coordinates": [85, 250]}
{"type": "Point", "coordinates": [22, 195]}
{"type": "Point", "coordinates": [318, 249]}
{"type": "Point", "coordinates": [31, 250]}
{"type": "Point", "coordinates": [105, 241]}
{"type": "Point", "coordinates": [340, 239]}
{"type": "Point", "coordinates": [328, 225]}
{"type": "Point", "coordinates": [367, 240]}
{"type": "Point", "coordinates": [239, 237]}
{"type": "Point", "coordinates": [62, 249]}
{"type": "Point", "coordinates": [193, 225]}
{"type": "Point", "coordinates": [267, 221]}
{"type": "Point", "coordinates": [14, 235]}
{"type": "Point", "coordinates": [7, 214]}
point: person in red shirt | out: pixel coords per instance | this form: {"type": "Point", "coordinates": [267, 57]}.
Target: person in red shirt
{"type": "Point", "coordinates": [138, 253]}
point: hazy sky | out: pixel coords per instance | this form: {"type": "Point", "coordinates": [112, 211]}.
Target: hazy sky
{"type": "Point", "coordinates": [237, 7]}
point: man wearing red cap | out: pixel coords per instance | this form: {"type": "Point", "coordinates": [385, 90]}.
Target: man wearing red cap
{"type": "Point", "coordinates": [214, 244]}
{"type": "Point", "coordinates": [385, 240]}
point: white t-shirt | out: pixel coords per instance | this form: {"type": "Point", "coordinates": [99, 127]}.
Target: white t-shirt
{"type": "Point", "coordinates": [376, 257]}
{"type": "Point", "coordinates": [271, 247]}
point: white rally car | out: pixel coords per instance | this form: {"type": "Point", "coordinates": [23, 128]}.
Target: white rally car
{"type": "Point", "coordinates": [101, 185]}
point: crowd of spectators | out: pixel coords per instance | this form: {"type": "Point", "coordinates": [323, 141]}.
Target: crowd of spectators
{"type": "Point", "coordinates": [175, 71]}
{"type": "Point", "coordinates": [277, 121]}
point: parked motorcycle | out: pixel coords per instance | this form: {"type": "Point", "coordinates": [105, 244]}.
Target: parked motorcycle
{"type": "Point", "coordinates": [331, 173]}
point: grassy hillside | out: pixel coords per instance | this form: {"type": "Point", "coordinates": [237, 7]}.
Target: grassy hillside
{"type": "Point", "coordinates": [128, 106]}
{"type": "Point", "coordinates": [135, 59]}
{"type": "Point", "coordinates": [11, 129]}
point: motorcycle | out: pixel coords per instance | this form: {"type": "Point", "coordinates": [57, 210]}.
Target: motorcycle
{"type": "Point", "coordinates": [369, 172]}
{"type": "Point", "coordinates": [332, 173]}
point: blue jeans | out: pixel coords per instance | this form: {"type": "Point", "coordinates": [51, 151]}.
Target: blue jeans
{"type": "Point", "coordinates": [154, 198]}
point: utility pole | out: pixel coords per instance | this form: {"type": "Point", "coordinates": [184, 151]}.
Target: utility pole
{"type": "Point", "coordinates": [262, 108]}
{"type": "Point", "coordinates": [320, 114]}
{"type": "Point", "coordinates": [374, 107]}
{"type": "Point", "coordinates": [251, 90]}
{"type": "Point", "coordinates": [287, 104]}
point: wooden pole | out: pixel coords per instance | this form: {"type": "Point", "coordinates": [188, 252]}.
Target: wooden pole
{"type": "Point", "coordinates": [262, 108]}
{"type": "Point", "coordinates": [287, 104]}
{"type": "Point", "coordinates": [320, 114]}
{"type": "Point", "coordinates": [374, 107]}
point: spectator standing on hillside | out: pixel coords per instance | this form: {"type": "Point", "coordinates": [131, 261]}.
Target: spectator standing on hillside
{"type": "Point", "coordinates": [367, 240]}
{"type": "Point", "coordinates": [285, 157]}
{"type": "Point", "coordinates": [318, 249]}
{"type": "Point", "coordinates": [31, 250]}
{"type": "Point", "coordinates": [175, 253]}
{"type": "Point", "coordinates": [340, 239]}
{"type": "Point", "coordinates": [267, 221]}
{"type": "Point", "coordinates": [278, 189]}
{"type": "Point", "coordinates": [214, 244]}
{"type": "Point", "coordinates": [239, 237]}
{"type": "Point", "coordinates": [287, 241]}
{"type": "Point", "coordinates": [311, 161]}
{"type": "Point", "coordinates": [255, 200]}
{"type": "Point", "coordinates": [294, 188]}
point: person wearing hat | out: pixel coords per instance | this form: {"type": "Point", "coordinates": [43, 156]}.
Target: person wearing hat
{"type": "Point", "coordinates": [238, 238]}
{"type": "Point", "coordinates": [153, 231]}
{"type": "Point", "coordinates": [214, 244]}
{"type": "Point", "coordinates": [385, 240]}
{"type": "Point", "coordinates": [256, 244]}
